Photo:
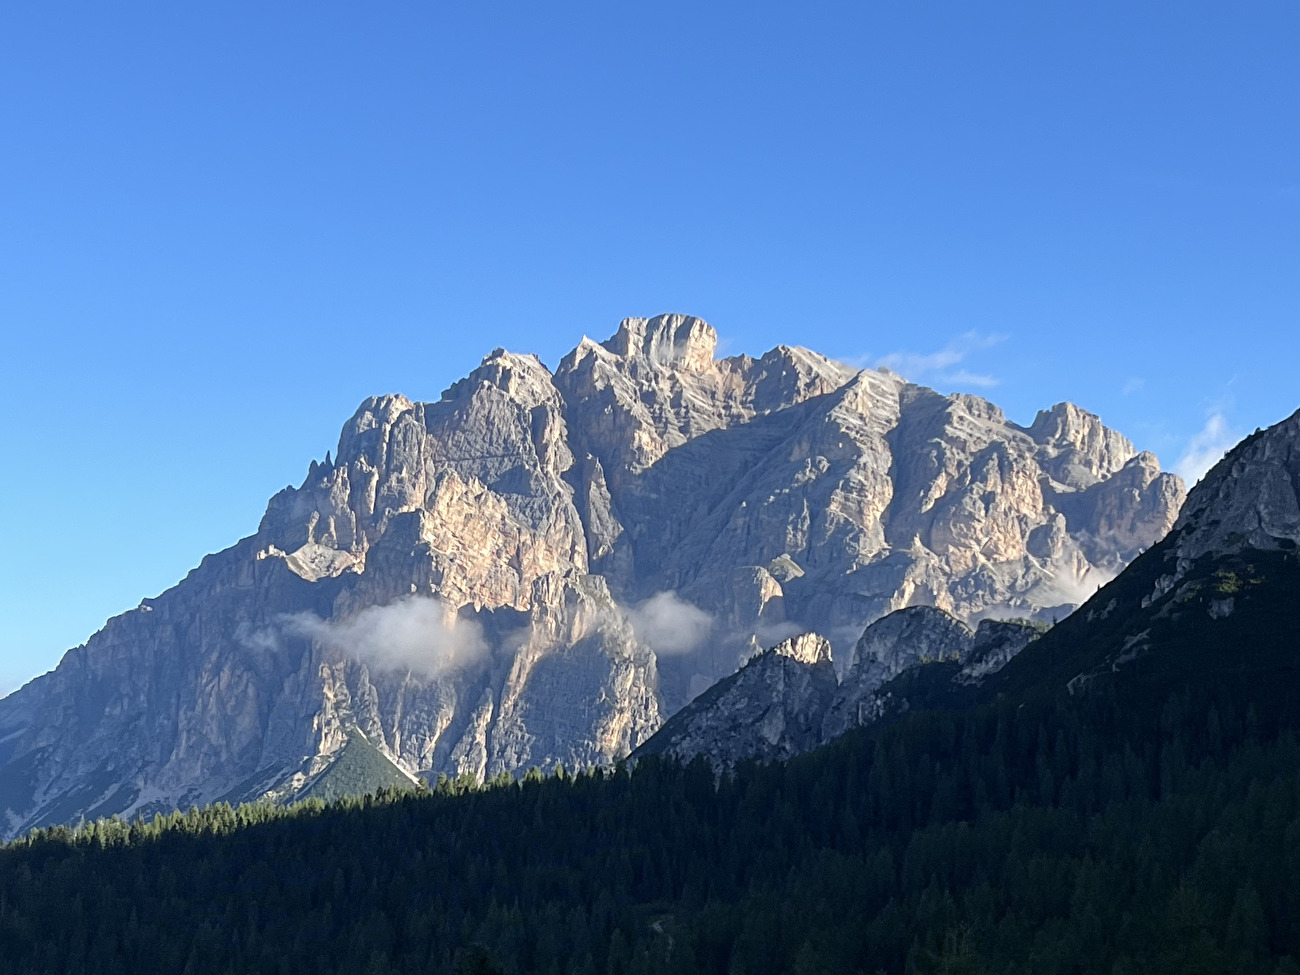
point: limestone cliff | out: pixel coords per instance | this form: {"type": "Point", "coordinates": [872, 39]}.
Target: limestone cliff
{"type": "Point", "coordinates": [540, 567]}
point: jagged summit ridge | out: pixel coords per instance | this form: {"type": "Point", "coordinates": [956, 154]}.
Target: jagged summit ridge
{"type": "Point", "coordinates": [680, 341]}
{"type": "Point", "coordinates": [1230, 554]}
{"type": "Point", "coordinates": [592, 547]}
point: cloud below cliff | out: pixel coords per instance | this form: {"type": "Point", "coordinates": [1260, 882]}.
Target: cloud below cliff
{"type": "Point", "coordinates": [417, 633]}
{"type": "Point", "coordinates": [670, 625]}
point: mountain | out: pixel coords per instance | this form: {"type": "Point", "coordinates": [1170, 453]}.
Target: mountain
{"type": "Point", "coordinates": [787, 701]}
{"type": "Point", "coordinates": [540, 567]}
{"type": "Point", "coordinates": [1122, 795]}
{"type": "Point", "coordinates": [770, 710]}
{"type": "Point", "coordinates": [1180, 605]}
{"type": "Point", "coordinates": [1250, 500]}
{"type": "Point", "coordinates": [1235, 538]}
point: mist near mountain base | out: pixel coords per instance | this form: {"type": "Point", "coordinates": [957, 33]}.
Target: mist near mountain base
{"type": "Point", "coordinates": [1077, 590]}
{"type": "Point", "coordinates": [417, 633]}
{"type": "Point", "coordinates": [670, 625]}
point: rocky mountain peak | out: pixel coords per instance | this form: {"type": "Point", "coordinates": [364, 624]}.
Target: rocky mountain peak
{"type": "Point", "coordinates": [785, 376]}
{"type": "Point", "coordinates": [1250, 499]}
{"type": "Point", "coordinates": [807, 648]}
{"type": "Point", "coordinates": [976, 407]}
{"type": "Point", "coordinates": [889, 646]}
{"type": "Point", "coordinates": [1080, 444]}
{"type": "Point", "coordinates": [904, 637]}
{"type": "Point", "coordinates": [787, 700]}
{"type": "Point", "coordinates": [537, 567]}
{"type": "Point", "coordinates": [522, 378]}
{"type": "Point", "coordinates": [768, 710]}
{"type": "Point", "coordinates": [369, 425]}
{"type": "Point", "coordinates": [666, 341]}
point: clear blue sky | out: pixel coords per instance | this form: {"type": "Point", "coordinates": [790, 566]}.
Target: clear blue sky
{"type": "Point", "coordinates": [222, 226]}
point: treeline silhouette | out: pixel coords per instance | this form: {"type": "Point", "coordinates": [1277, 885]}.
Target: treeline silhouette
{"type": "Point", "coordinates": [1080, 837]}
{"type": "Point", "coordinates": [1148, 824]}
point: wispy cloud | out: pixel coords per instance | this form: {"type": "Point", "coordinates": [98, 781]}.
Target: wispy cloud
{"type": "Point", "coordinates": [1134, 384]}
{"type": "Point", "coordinates": [1206, 447]}
{"type": "Point", "coordinates": [669, 624]}
{"type": "Point", "coordinates": [941, 367]}
{"type": "Point", "coordinates": [418, 633]}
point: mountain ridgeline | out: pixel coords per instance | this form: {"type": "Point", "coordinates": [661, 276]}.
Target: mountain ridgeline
{"type": "Point", "coordinates": [541, 567]}
{"type": "Point", "coordinates": [923, 658]}
{"type": "Point", "coordinates": [787, 701]}
{"type": "Point", "coordinates": [1118, 793]}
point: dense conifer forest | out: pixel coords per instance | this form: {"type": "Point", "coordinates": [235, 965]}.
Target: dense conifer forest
{"type": "Point", "coordinates": [1149, 823]}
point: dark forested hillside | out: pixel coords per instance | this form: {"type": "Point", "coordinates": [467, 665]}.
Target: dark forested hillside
{"type": "Point", "coordinates": [1143, 818]}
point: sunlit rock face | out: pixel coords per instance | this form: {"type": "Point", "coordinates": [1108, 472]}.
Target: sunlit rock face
{"type": "Point", "coordinates": [541, 566]}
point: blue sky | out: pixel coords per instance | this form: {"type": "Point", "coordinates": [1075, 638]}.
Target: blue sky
{"type": "Point", "coordinates": [222, 226]}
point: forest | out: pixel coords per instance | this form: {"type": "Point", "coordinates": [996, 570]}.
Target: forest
{"type": "Point", "coordinates": [1149, 824]}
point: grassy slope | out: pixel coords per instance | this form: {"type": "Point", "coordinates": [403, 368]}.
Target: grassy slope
{"type": "Point", "coordinates": [359, 769]}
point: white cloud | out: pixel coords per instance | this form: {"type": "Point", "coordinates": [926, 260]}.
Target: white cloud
{"type": "Point", "coordinates": [769, 635]}
{"type": "Point", "coordinates": [1077, 590]}
{"type": "Point", "coordinates": [670, 625]}
{"type": "Point", "coordinates": [1133, 385]}
{"type": "Point", "coordinates": [264, 640]}
{"type": "Point", "coordinates": [940, 367]}
{"type": "Point", "coordinates": [417, 633]}
{"type": "Point", "coordinates": [964, 377]}
{"type": "Point", "coordinates": [1206, 448]}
